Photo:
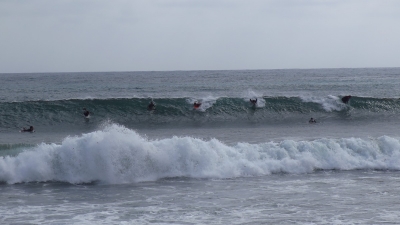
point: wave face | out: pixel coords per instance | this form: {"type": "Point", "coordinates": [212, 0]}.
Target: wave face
{"type": "Point", "coordinates": [180, 110]}
{"type": "Point", "coordinates": [117, 155]}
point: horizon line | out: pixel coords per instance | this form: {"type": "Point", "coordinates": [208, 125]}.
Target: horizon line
{"type": "Point", "coordinates": [193, 70]}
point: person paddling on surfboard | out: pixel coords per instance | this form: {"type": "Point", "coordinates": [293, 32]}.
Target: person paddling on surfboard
{"type": "Point", "coordinates": [346, 99]}
{"type": "Point", "coordinates": [85, 112]}
{"type": "Point", "coordinates": [151, 106]}
{"type": "Point", "coordinates": [312, 120]}
{"type": "Point", "coordinates": [30, 129]}
{"type": "Point", "coordinates": [196, 105]}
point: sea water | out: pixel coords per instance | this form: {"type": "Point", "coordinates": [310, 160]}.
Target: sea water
{"type": "Point", "coordinates": [227, 162]}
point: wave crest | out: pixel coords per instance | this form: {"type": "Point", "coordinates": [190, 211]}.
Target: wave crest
{"type": "Point", "coordinates": [116, 155]}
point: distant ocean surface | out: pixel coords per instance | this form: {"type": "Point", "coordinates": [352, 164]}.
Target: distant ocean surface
{"type": "Point", "coordinates": [227, 162]}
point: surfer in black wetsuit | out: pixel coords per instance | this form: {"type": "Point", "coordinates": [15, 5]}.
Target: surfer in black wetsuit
{"type": "Point", "coordinates": [254, 102]}
{"type": "Point", "coordinates": [151, 106]}
{"type": "Point", "coordinates": [27, 130]}
{"type": "Point", "coordinates": [85, 112]}
{"type": "Point", "coordinates": [346, 99]}
{"type": "Point", "coordinates": [312, 120]}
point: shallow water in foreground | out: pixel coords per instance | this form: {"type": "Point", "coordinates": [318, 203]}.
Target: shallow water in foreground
{"type": "Point", "coordinates": [325, 197]}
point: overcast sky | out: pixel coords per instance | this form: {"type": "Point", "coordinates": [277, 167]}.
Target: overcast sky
{"type": "Point", "coordinates": [153, 35]}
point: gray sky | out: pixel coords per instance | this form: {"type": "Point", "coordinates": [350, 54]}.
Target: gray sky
{"type": "Point", "coordinates": [137, 35]}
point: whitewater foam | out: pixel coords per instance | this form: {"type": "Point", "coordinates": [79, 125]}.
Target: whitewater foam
{"type": "Point", "coordinates": [116, 154]}
{"type": "Point", "coordinates": [329, 103]}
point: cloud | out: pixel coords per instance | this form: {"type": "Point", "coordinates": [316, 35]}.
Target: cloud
{"type": "Point", "coordinates": [126, 35]}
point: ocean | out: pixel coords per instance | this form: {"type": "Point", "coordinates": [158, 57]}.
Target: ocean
{"type": "Point", "coordinates": [226, 162]}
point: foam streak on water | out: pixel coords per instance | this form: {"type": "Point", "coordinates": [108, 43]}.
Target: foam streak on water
{"type": "Point", "coordinates": [328, 197]}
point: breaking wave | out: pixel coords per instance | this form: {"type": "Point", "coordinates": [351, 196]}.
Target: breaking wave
{"type": "Point", "coordinates": [116, 154]}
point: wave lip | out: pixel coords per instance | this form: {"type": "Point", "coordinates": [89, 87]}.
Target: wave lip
{"type": "Point", "coordinates": [329, 103]}
{"type": "Point", "coordinates": [117, 155]}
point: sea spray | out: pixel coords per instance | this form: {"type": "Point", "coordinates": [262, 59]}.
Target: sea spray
{"type": "Point", "coordinates": [116, 155]}
{"type": "Point", "coordinates": [328, 103]}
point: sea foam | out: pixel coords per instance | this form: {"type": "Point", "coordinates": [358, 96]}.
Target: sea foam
{"type": "Point", "coordinates": [329, 103]}
{"type": "Point", "coordinates": [116, 155]}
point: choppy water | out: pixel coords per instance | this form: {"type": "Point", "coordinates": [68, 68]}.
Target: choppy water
{"type": "Point", "coordinates": [227, 162]}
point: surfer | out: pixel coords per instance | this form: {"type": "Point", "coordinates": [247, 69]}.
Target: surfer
{"type": "Point", "coordinates": [312, 120]}
{"type": "Point", "coordinates": [196, 105]}
{"type": "Point", "coordinates": [254, 102]}
{"type": "Point", "coordinates": [30, 129]}
{"type": "Point", "coordinates": [151, 106]}
{"type": "Point", "coordinates": [346, 99]}
{"type": "Point", "coordinates": [85, 112]}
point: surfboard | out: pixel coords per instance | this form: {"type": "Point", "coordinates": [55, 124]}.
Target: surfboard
{"type": "Point", "coordinates": [24, 131]}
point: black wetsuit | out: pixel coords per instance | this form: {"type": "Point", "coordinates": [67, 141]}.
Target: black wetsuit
{"type": "Point", "coordinates": [28, 130]}
{"type": "Point", "coordinates": [151, 106]}
{"type": "Point", "coordinates": [346, 99]}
